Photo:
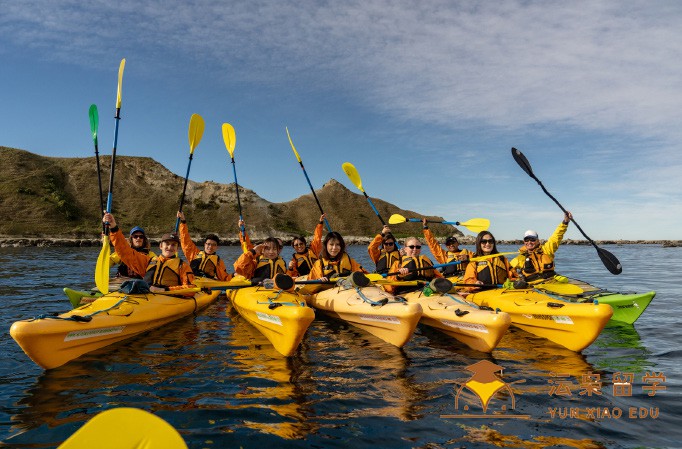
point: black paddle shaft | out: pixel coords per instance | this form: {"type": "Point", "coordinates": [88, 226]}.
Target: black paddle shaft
{"type": "Point", "coordinates": [609, 260]}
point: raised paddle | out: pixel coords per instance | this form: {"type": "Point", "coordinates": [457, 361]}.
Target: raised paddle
{"type": "Point", "coordinates": [94, 124]}
{"type": "Point", "coordinates": [354, 177]}
{"type": "Point", "coordinates": [102, 267]}
{"type": "Point", "coordinates": [298, 158]}
{"type": "Point", "coordinates": [609, 260]}
{"type": "Point", "coordinates": [196, 131]}
{"type": "Point", "coordinates": [125, 428]}
{"type": "Point", "coordinates": [474, 225]}
{"type": "Point", "coordinates": [230, 140]}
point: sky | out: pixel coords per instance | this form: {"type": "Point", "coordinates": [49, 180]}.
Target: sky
{"type": "Point", "coordinates": [425, 98]}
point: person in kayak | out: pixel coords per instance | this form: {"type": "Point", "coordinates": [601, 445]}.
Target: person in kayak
{"type": "Point", "coordinates": [139, 242]}
{"type": "Point", "coordinates": [414, 266]}
{"type": "Point", "coordinates": [305, 256]}
{"type": "Point", "coordinates": [259, 262]}
{"type": "Point", "coordinates": [493, 270]}
{"type": "Point", "coordinates": [383, 250]}
{"type": "Point", "coordinates": [203, 263]}
{"type": "Point", "coordinates": [334, 261]}
{"type": "Point", "coordinates": [453, 253]}
{"type": "Point", "coordinates": [536, 261]}
{"type": "Point", "coordinates": [165, 272]}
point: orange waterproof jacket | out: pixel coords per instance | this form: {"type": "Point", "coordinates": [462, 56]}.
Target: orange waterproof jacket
{"type": "Point", "coordinates": [192, 253]}
{"type": "Point", "coordinates": [140, 262]}
{"type": "Point", "coordinates": [446, 256]}
{"type": "Point", "coordinates": [311, 255]}
{"type": "Point", "coordinates": [382, 259]}
{"type": "Point", "coordinates": [495, 270]}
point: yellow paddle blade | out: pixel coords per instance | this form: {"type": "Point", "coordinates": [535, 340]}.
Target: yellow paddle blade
{"type": "Point", "coordinates": [292, 145]}
{"type": "Point", "coordinates": [375, 277]}
{"type": "Point", "coordinates": [120, 83]}
{"type": "Point", "coordinates": [102, 267]}
{"type": "Point", "coordinates": [353, 175]}
{"type": "Point", "coordinates": [559, 288]}
{"type": "Point", "coordinates": [396, 219]}
{"type": "Point", "coordinates": [476, 224]}
{"type": "Point", "coordinates": [229, 138]}
{"type": "Point", "coordinates": [125, 428]}
{"type": "Point", "coordinates": [196, 131]}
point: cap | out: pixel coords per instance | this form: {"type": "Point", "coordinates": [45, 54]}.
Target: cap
{"type": "Point", "coordinates": [451, 240]}
{"type": "Point", "coordinates": [136, 229]}
{"type": "Point", "coordinates": [170, 237]}
{"type": "Point", "coordinates": [530, 233]}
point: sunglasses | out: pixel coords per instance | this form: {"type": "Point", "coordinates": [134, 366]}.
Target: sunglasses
{"type": "Point", "coordinates": [487, 241]}
{"type": "Point", "coordinates": [138, 236]}
{"type": "Point", "coordinates": [299, 244]}
{"type": "Point", "coordinates": [414, 246]}
{"type": "Point", "coordinates": [529, 239]}
{"type": "Point", "coordinates": [389, 243]}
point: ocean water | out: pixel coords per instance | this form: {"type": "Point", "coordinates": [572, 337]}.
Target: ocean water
{"type": "Point", "coordinates": [221, 384]}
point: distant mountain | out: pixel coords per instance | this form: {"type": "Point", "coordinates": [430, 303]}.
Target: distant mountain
{"type": "Point", "coordinates": [58, 198]}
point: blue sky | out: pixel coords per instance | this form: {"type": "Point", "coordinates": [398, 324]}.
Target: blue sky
{"type": "Point", "coordinates": [425, 98]}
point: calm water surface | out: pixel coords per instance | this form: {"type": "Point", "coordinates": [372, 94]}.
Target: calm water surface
{"type": "Point", "coordinates": [221, 384]}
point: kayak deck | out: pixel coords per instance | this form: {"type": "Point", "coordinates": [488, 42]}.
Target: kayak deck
{"type": "Point", "coordinates": [51, 341]}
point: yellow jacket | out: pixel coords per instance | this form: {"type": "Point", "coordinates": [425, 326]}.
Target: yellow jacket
{"type": "Point", "coordinates": [540, 260]}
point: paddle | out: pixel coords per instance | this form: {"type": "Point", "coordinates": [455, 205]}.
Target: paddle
{"type": "Point", "coordinates": [102, 267]}
{"type": "Point", "coordinates": [474, 225]}
{"type": "Point", "coordinates": [196, 131]}
{"type": "Point", "coordinates": [230, 140]}
{"type": "Point", "coordinates": [329, 228]}
{"type": "Point", "coordinates": [609, 260]}
{"type": "Point", "coordinates": [378, 276]}
{"type": "Point", "coordinates": [125, 428]}
{"type": "Point", "coordinates": [94, 124]}
{"type": "Point", "coordinates": [354, 177]}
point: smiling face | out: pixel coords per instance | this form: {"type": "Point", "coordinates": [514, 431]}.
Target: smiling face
{"type": "Point", "coordinates": [299, 246]}
{"type": "Point", "coordinates": [270, 250]}
{"type": "Point", "coordinates": [531, 243]}
{"type": "Point", "coordinates": [168, 248]}
{"type": "Point", "coordinates": [413, 247]}
{"type": "Point", "coordinates": [487, 243]}
{"type": "Point", "coordinates": [137, 240]}
{"type": "Point", "coordinates": [210, 246]}
{"type": "Point", "coordinates": [333, 247]}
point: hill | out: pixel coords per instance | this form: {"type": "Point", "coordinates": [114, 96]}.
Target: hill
{"type": "Point", "coordinates": [47, 197]}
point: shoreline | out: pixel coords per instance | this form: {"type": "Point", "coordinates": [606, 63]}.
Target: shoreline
{"type": "Point", "coordinates": [19, 242]}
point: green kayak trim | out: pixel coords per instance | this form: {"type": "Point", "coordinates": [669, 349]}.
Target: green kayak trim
{"type": "Point", "coordinates": [78, 298]}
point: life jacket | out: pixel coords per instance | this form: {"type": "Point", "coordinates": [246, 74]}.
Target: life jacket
{"type": "Point", "coordinates": [304, 262]}
{"type": "Point", "coordinates": [124, 271]}
{"type": "Point", "coordinates": [205, 265]}
{"type": "Point", "coordinates": [165, 274]}
{"type": "Point", "coordinates": [386, 259]}
{"type": "Point", "coordinates": [342, 267]}
{"type": "Point", "coordinates": [492, 271]}
{"type": "Point", "coordinates": [412, 263]}
{"type": "Point", "coordinates": [454, 270]}
{"type": "Point", "coordinates": [268, 268]}
{"type": "Point", "coordinates": [537, 265]}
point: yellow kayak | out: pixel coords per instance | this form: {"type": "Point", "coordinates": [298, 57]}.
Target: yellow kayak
{"type": "Point", "coordinates": [53, 341]}
{"type": "Point", "coordinates": [572, 325]}
{"type": "Point", "coordinates": [279, 315]}
{"type": "Point", "coordinates": [479, 329]}
{"type": "Point", "coordinates": [369, 308]}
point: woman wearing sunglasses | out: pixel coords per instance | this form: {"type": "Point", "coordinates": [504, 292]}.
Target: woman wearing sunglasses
{"type": "Point", "coordinates": [493, 270]}
{"type": "Point", "coordinates": [383, 251]}
{"type": "Point", "coordinates": [536, 261]}
{"type": "Point", "coordinates": [139, 242]}
{"type": "Point", "coordinates": [414, 266]}
{"type": "Point", "coordinates": [305, 256]}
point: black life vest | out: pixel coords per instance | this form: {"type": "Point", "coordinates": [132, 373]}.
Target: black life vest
{"type": "Point", "coordinates": [205, 265]}
{"type": "Point", "coordinates": [164, 274]}
{"type": "Point", "coordinates": [268, 268]}
{"type": "Point", "coordinates": [412, 263]}
{"type": "Point", "coordinates": [342, 267]}
{"type": "Point", "coordinates": [386, 259]}
{"type": "Point", "coordinates": [492, 271]}
{"type": "Point", "coordinates": [304, 262]}
{"type": "Point", "coordinates": [454, 270]}
{"type": "Point", "coordinates": [537, 265]}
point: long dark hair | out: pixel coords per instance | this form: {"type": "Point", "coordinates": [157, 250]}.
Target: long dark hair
{"type": "Point", "coordinates": [332, 236]}
{"type": "Point", "coordinates": [479, 237]}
